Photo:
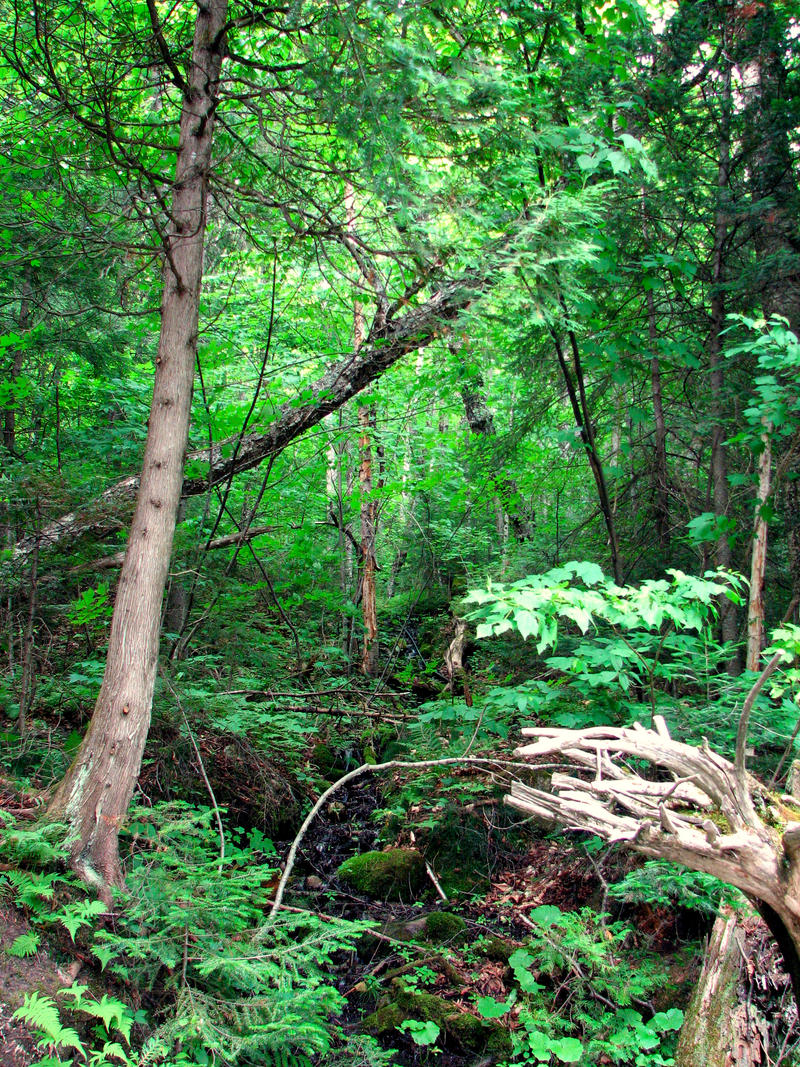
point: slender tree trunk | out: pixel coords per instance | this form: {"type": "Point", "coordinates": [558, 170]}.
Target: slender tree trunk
{"type": "Point", "coordinates": [10, 414]}
{"type": "Point", "coordinates": [27, 679]}
{"type": "Point", "coordinates": [369, 523]}
{"type": "Point", "coordinates": [369, 506]}
{"type": "Point", "coordinates": [767, 126]}
{"type": "Point", "coordinates": [758, 562]}
{"type": "Point", "coordinates": [408, 500]}
{"type": "Point", "coordinates": [339, 487]}
{"type": "Point", "coordinates": [576, 391]}
{"type": "Point", "coordinates": [481, 424]}
{"type": "Point", "coordinates": [660, 464]}
{"type": "Point", "coordinates": [719, 458]}
{"type": "Point", "coordinates": [94, 796]}
{"type": "Point", "coordinates": [775, 232]}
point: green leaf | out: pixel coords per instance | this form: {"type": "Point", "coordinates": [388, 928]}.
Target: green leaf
{"type": "Point", "coordinates": [672, 1019]}
{"type": "Point", "coordinates": [421, 1033]}
{"type": "Point", "coordinates": [24, 945]}
{"type": "Point", "coordinates": [547, 915]}
{"type": "Point", "coordinates": [489, 1008]}
{"type": "Point", "coordinates": [527, 623]}
{"type": "Point", "coordinates": [567, 1049]}
{"type": "Point", "coordinates": [520, 962]}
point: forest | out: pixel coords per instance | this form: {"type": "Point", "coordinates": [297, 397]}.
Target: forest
{"type": "Point", "coordinates": [399, 533]}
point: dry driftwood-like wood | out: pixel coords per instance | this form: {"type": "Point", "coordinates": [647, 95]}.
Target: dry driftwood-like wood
{"type": "Point", "coordinates": [692, 806]}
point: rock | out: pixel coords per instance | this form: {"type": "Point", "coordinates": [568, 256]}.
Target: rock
{"type": "Point", "coordinates": [443, 927]}
{"type": "Point", "coordinates": [465, 1030]}
{"type": "Point", "coordinates": [392, 875]}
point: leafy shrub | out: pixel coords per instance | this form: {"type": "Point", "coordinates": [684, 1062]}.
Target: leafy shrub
{"type": "Point", "coordinates": [576, 1003]}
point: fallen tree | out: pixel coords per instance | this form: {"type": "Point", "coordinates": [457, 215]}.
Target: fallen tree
{"type": "Point", "coordinates": [690, 806]}
{"type": "Point", "coordinates": [639, 787]}
{"type": "Point", "coordinates": [391, 337]}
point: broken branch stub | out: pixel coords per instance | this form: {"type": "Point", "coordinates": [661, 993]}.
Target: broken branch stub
{"type": "Point", "coordinates": [689, 809]}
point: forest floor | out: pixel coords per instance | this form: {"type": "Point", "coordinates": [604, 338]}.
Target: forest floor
{"type": "Point", "coordinates": [473, 962]}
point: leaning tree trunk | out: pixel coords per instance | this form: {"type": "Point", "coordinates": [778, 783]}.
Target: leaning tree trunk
{"type": "Point", "coordinates": [94, 796]}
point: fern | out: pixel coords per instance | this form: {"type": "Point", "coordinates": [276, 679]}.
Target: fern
{"type": "Point", "coordinates": [114, 1014]}
{"type": "Point", "coordinates": [32, 889]}
{"type": "Point", "coordinates": [79, 913]}
{"type": "Point", "coordinates": [41, 1013]}
{"type": "Point", "coordinates": [24, 945]}
{"type": "Point", "coordinates": [37, 844]}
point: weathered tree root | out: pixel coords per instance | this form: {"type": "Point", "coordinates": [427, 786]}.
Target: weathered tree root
{"type": "Point", "coordinates": [695, 811]}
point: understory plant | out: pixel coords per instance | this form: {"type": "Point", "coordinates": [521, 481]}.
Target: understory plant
{"type": "Point", "coordinates": [582, 995]}
{"type": "Point", "coordinates": [234, 987]}
{"type": "Point", "coordinates": [244, 990]}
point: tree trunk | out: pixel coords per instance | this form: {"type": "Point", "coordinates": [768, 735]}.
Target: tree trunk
{"type": "Point", "coordinates": [758, 563]}
{"type": "Point", "coordinates": [10, 414]}
{"type": "Point", "coordinates": [369, 522]}
{"type": "Point", "coordinates": [767, 118]}
{"type": "Point", "coordinates": [481, 424]}
{"type": "Point", "coordinates": [576, 391]}
{"type": "Point", "coordinates": [368, 510]}
{"type": "Point", "coordinates": [719, 459]}
{"type": "Point", "coordinates": [719, 1030]}
{"type": "Point", "coordinates": [94, 796]}
{"type": "Point", "coordinates": [660, 462]}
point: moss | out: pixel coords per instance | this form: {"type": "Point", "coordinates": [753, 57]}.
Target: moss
{"type": "Point", "coordinates": [323, 758]}
{"type": "Point", "coordinates": [443, 926]}
{"type": "Point", "coordinates": [395, 874]}
{"type": "Point", "coordinates": [385, 1019]}
{"type": "Point", "coordinates": [496, 949]}
{"type": "Point", "coordinates": [465, 1030]}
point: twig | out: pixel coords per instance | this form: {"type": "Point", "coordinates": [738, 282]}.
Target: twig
{"type": "Point", "coordinates": [436, 884]}
{"type": "Point", "coordinates": [740, 758]}
{"type": "Point", "coordinates": [202, 768]}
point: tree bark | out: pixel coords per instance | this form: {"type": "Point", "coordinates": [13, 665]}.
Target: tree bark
{"type": "Point", "coordinates": [719, 1030]}
{"type": "Point", "coordinates": [756, 624]}
{"type": "Point", "coordinates": [94, 796]}
{"type": "Point", "coordinates": [719, 458]}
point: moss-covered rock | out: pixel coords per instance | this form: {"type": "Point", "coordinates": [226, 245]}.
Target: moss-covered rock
{"type": "Point", "coordinates": [323, 759]}
{"type": "Point", "coordinates": [394, 875]}
{"type": "Point", "coordinates": [496, 949]}
{"type": "Point", "coordinates": [443, 927]}
{"type": "Point", "coordinates": [465, 1030]}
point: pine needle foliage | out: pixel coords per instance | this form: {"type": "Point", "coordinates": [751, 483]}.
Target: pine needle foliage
{"type": "Point", "coordinates": [245, 991]}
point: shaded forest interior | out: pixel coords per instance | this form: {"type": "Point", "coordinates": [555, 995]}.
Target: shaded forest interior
{"type": "Point", "coordinates": [399, 533]}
